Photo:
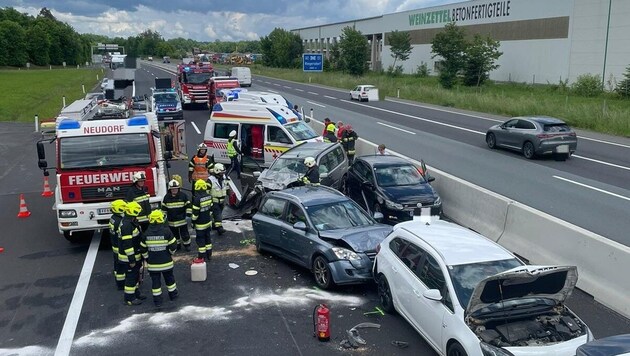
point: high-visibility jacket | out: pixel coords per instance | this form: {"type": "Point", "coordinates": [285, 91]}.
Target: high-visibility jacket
{"type": "Point", "coordinates": [129, 246]}
{"type": "Point", "coordinates": [157, 245]}
{"type": "Point", "coordinates": [311, 176]}
{"type": "Point", "coordinates": [219, 189]}
{"type": "Point", "coordinates": [176, 208]}
{"type": "Point", "coordinates": [232, 148]}
{"type": "Point", "coordinates": [114, 224]}
{"type": "Point", "coordinates": [348, 139]}
{"type": "Point", "coordinates": [199, 167]}
{"type": "Point", "coordinates": [330, 137]}
{"type": "Point", "coordinates": [202, 210]}
{"type": "Point", "coordinates": [140, 196]}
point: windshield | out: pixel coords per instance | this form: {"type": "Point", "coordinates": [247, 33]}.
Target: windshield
{"type": "Point", "coordinates": [466, 277]}
{"type": "Point", "coordinates": [300, 131]}
{"type": "Point", "coordinates": [339, 215]}
{"type": "Point", "coordinates": [390, 176]}
{"type": "Point", "coordinates": [196, 78]}
{"type": "Point", "coordinates": [288, 165]}
{"type": "Point", "coordinates": [165, 98]}
{"type": "Point", "coordinates": [104, 151]}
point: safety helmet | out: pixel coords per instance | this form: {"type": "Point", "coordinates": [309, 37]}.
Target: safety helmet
{"type": "Point", "coordinates": [309, 161]}
{"type": "Point", "coordinates": [156, 217]}
{"type": "Point", "coordinates": [330, 127]}
{"type": "Point", "coordinates": [348, 127]}
{"type": "Point", "coordinates": [139, 176]}
{"type": "Point", "coordinates": [118, 206]}
{"type": "Point", "coordinates": [173, 184]}
{"type": "Point", "coordinates": [133, 209]}
{"type": "Point", "coordinates": [201, 184]}
{"type": "Point", "coordinates": [219, 168]}
{"type": "Point", "coordinates": [233, 133]}
{"type": "Point", "coordinates": [202, 146]}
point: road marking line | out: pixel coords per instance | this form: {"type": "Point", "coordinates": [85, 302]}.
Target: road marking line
{"type": "Point", "coordinates": [593, 188]}
{"type": "Point", "coordinates": [276, 84]}
{"type": "Point", "coordinates": [396, 128]}
{"type": "Point", "coordinates": [195, 127]}
{"type": "Point", "coordinates": [316, 104]}
{"type": "Point", "coordinates": [601, 162]}
{"type": "Point", "coordinates": [329, 97]}
{"type": "Point", "coordinates": [310, 92]}
{"type": "Point", "coordinates": [74, 311]}
{"type": "Point", "coordinates": [272, 91]}
{"type": "Point", "coordinates": [284, 86]}
{"type": "Point", "coordinates": [448, 111]}
{"type": "Point", "coordinates": [299, 89]}
{"type": "Point", "coordinates": [602, 141]}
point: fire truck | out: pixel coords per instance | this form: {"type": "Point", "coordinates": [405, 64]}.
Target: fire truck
{"type": "Point", "coordinates": [95, 163]}
{"type": "Point", "coordinates": [192, 83]}
{"type": "Point", "coordinates": [216, 85]}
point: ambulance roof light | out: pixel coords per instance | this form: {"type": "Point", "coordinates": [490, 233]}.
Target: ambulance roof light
{"type": "Point", "coordinates": [138, 121]}
{"type": "Point", "coordinates": [67, 124]}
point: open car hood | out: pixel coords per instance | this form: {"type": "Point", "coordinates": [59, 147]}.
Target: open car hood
{"type": "Point", "coordinates": [359, 239]}
{"type": "Point", "coordinates": [551, 282]}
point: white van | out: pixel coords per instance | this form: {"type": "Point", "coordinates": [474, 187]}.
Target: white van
{"type": "Point", "coordinates": [264, 131]}
{"type": "Point", "coordinates": [243, 74]}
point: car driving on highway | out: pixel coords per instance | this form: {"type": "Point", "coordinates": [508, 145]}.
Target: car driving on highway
{"type": "Point", "coordinates": [534, 135]}
{"type": "Point", "coordinates": [467, 295]}
{"type": "Point", "coordinates": [360, 92]}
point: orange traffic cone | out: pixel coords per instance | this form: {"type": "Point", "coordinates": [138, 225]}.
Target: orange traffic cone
{"type": "Point", "coordinates": [24, 213]}
{"type": "Point", "coordinates": [47, 192]}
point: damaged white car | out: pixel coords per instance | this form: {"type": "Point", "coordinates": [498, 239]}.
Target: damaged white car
{"type": "Point", "coordinates": [467, 295]}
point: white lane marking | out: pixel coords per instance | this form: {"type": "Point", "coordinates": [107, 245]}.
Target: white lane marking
{"type": "Point", "coordinates": [310, 92]}
{"type": "Point", "coordinates": [156, 77]}
{"type": "Point", "coordinates": [601, 162]}
{"type": "Point", "coordinates": [299, 89]}
{"type": "Point", "coordinates": [272, 91]}
{"type": "Point", "coordinates": [602, 141]}
{"type": "Point", "coordinates": [195, 127]}
{"type": "Point", "coordinates": [284, 86]}
{"type": "Point", "coordinates": [74, 311]}
{"type": "Point", "coordinates": [329, 97]}
{"type": "Point", "coordinates": [396, 128]}
{"type": "Point", "coordinates": [276, 84]}
{"type": "Point", "coordinates": [316, 104]}
{"type": "Point", "coordinates": [448, 111]}
{"type": "Point", "coordinates": [593, 188]}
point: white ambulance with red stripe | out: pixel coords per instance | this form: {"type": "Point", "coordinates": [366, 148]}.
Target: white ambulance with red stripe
{"type": "Point", "coordinates": [264, 131]}
{"type": "Point", "coordinates": [95, 162]}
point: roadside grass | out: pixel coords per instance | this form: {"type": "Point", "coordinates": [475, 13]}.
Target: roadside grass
{"type": "Point", "coordinates": [29, 92]}
{"type": "Point", "coordinates": [606, 113]}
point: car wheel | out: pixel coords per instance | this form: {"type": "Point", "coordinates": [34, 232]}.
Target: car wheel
{"type": "Point", "coordinates": [321, 272]}
{"type": "Point", "coordinates": [259, 249]}
{"type": "Point", "coordinates": [456, 350]}
{"type": "Point", "coordinates": [351, 97]}
{"type": "Point", "coordinates": [491, 140]}
{"type": "Point", "coordinates": [528, 150]}
{"type": "Point", "coordinates": [385, 294]}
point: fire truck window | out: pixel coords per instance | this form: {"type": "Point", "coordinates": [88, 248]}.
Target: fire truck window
{"type": "Point", "coordinates": [223, 130]}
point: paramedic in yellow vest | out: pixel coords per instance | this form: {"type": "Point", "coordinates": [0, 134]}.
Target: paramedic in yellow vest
{"type": "Point", "coordinates": [233, 152]}
{"type": "Point", "coordinates": [200, 165]}
{"type": "Point", "coordinates": [219, 193]}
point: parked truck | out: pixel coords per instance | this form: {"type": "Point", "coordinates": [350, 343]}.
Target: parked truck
{"type": "Point", "coordinates": [192, 83]}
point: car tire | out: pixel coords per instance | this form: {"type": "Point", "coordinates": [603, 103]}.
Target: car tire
{"type": "Point", "coordinates": [259, 248]}
{"type": "Point", "coordinates": [385, 294]}
{"type": "Point", "coordinates": [321, 272]}
{"type": "Point", "coordinates": [528, 150]}
{"type": "Point", "coordinates": [456, 350]}
{"type": "Point", "coordinates": [491, 140]}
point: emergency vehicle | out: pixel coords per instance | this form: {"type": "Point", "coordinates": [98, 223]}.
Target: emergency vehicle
{"type": "Point", "coordinates": [217, 86]}
{"type": "Point", "coordinates": [259, 96]}
{"type": "Point", "coordinates": [165, 101]}
{"type": "Point", "coordinates": [95, 162]}
{"type": "Point", "coordinates": [264, 130]}
{"type": "Point", "coordinates": [193, 82]}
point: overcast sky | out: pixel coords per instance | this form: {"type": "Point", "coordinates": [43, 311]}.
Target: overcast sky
{"type": "Point", "coordinates": [206, 20]}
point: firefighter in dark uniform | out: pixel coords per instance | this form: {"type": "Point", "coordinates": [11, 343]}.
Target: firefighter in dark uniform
{"type": "Point", "coordinates": [139, 193]}
{"type": "Point", "coordinates": [330, 136]}
{"type": "Point", "coordinates": [129, 252]}
{"type": "Point", "coordinates": [157, 245]}
{"type": "Point", "coordinates": [312, 172]}
{"type": "Point", "coordinates": [176, 206]}
{"type": "Point", "coordinates": [202, 219]}
{"type": "Point", "coordinates": [118, 210]}
{"type": "Point", "coordinates": [219, 192]}
{"type": "Point", "coordinates": [200, 165]}
{"type": "Point", "coordinates": [233, 151]}
{"type": "Point", "coordinates": [348, 139]}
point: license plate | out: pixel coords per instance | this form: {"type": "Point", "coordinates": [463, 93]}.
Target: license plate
{"type": "Point", "coordinates": [421, 212]}
{"type": "Point", "coordinates": [168, 118]}
{"type": "Point", "coordinates": [104, 211]}
{"type": "Point", "coordinates": [562, 149]}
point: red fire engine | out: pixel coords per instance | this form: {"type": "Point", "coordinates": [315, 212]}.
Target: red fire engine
{"type": "Point", "coordinates": [216, 85]}
{"type": "Point", "coordinates": [192, 83]}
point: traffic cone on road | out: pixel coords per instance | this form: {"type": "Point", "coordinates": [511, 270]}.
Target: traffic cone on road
{"type": "Point", "coordinates": [47, 192]}
{"type": "Point", "coordinates": [24, 213]}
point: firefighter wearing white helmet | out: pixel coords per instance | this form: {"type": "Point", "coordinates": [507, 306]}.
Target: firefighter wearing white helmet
{"type": "Point", "coordinates": [233, 152]}
{"type": "Point", "coordinates": [176, 205]}
{"type": "Point", "coordinates": [218, 191]}
{"type": "Point", "coordinates": [312, 172]}
{"type": "Point", "coordinates": [139, 193]}
{"type": "Point", "coordinates": [200, 164]}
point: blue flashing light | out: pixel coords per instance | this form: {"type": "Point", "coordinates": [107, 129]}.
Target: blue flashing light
{"type": "Point", "coordinates": [217, 107]}
{"type": "Point", "coordinates": [138, 121]}
{"type": "Point", "coordinates": [279, 117]}
{"type": "Point", "coordinates": [68, 124]}
{"type": "Point", "coordinates": [186, 69]}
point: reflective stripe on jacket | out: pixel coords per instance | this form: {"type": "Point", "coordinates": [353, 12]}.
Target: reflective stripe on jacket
{"type": "Point", "coordinates": [140, 196]}
{"type": "Point", "coordinates": [176, 208]}
{"type": "Point", "coordinates": [157, 245]}
{"type": "Point", "coordinates": [202, 210]}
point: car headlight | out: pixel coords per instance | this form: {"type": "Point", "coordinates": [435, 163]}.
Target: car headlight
{"type": "Point", "coordinates": [392, 205]}
{"type": "Point", "coordinates": [345, 254]}
{"type": "Point", "coordinates": [67, 214]}
{"type": "Point", "coordinates": [437, 201]}
{"type": "Point", "coordinates": [178, 107]}
{"type": "Point", "coordinates": [489, 350]}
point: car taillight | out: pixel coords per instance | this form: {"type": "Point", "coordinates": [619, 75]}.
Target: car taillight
{"type": "Point", "coordinates": [573, 134]}
{"type": "Point", "coordinates": [378, 248]}
{"type": "Point", "coordinates": [544, 136]}
{"type": "Point", "coordinates": [363, 93]}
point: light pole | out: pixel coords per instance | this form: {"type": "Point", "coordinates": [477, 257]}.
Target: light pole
{"type": "Point", "coordinates": [606, 45]}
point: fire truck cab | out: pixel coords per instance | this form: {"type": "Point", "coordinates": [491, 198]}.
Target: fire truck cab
{"type": "Point", "coordinates": [192, 83]}
{"type": "Point", "coordinates": [217, 86]}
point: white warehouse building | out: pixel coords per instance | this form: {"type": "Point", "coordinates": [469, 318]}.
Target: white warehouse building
{"type": "Point", "coordinates": [542, 40]}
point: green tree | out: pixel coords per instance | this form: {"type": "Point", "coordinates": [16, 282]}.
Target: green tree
{"type": "Point", "coordinates": [623, 88]}
{"type": "Point", "coordinates": [12, 44]}
{"type": "Point", "coordinates": [480, 58]}
{"type": "Point", "coordinates": [38, 45]}
{"type": "Point", "coordinates": [164, 49]}
{"type": "Point", "coordinates": [400, 45]}
{"type": "Point", "coordinates": [281, 48]}
{"type": "Point", "coordinates": [449, 44]}
{"type": "Point", "coordinates": [148, 42]}
{"type": "Point", "coordinates": [354, 51]}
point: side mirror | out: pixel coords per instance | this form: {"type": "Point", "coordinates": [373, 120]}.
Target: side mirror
{"type": "Point", "coordinates": [256, 174]}
{"type": "Point", "coordinates": [41, 152]}
{"type": "Point", "coordinates": [430, 178]}
{"type": "Point", "coordinates": [42, 164]}
{"type": "Point", "coordinates": [323, 175]}
{"type": "Point", "coordinates": [300, 225]}
{"type": "Point", "coordinates": [432, 294]}
{"type": "Point", "coordinates": [378, 216]}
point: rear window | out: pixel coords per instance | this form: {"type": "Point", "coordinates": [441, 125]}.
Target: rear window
{"type": "Point", "coordinates": [556, 128]}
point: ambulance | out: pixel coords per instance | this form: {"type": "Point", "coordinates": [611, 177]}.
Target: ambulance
{"type": "Point", "coordinates": [264, 131]}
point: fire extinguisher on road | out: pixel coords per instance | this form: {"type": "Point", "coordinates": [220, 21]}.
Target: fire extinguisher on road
{"type": "Point", "coordinates": [321, 322]}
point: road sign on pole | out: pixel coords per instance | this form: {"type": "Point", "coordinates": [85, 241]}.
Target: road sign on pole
{"type": "Point", "coordinates": [313, 62]}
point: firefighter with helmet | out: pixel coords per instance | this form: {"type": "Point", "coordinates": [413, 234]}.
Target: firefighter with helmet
{"type": "Point", "coordinates": [129, 252]}
{"type": "Point", "coordinates": [157, 245]}
{"type": "Point", "coordinates": [202, 219]}
{"type": "Point", "coordinates": [118, 210]}
{"type": "Point", "coordinates": [312, 171]}
{"type": "Point", "coordinates": [219, 192]}
{"type": "Point", "coordinates": [139, 193]}
{"type": "Point", "coordinates": [348, 139]}
{"type": "Point", "coordinates": [233, 152]}
{"type": "Point", "coordinates": [177, 208]}
{"type": "Point", "coordinates": [330, 136]}
{"type": "Point", "coordinates": [200, 165]}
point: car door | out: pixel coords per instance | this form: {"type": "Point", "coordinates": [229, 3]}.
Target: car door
{"type": "Point", "coordinates": [354, 94]}
{"type": "Point", "coordinates": [298, 243]}
{"type": "Point", "coordinates": [267, 222]}
{"type": "Point", "coordinates": [405, 281]}
{"type": "Point", "coordinates": [276, 142]}
{"type": "Point", "coordinates": [332, 163]}
{"type": "Point", "coordinates": [524, 130]}
{"type": "Point", "coordinates": [356, 174]}
{"type": "Point", "coordinates": [368, 190]}
{"type": "Point", "coordinates": [504, 134]}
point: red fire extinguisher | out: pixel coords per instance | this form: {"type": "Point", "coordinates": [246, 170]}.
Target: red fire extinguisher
{"type": "Point", "coordinates": [321, 322]}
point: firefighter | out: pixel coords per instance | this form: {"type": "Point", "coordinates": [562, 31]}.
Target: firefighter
{"type": "Point", "coordinates": [233, 152]}
{"type": "Point", "coordinates": [219, 192]}
{"type": "Point", "coordinates": [129, 252]}
{"type": "Point", "coordinates": [312, 172]}
{"type": "Point", "coordinates": [176, 206]}
{"type": "Point", "coordinates": [157, 245]}
{"type": "Point", "coordinates": [118, 210]}
{"type": "Point", "coordinates": [348, 139]}
{"type": "Point", "coordinates": [330, 136]}
{"type": "Point", "coordinates": [202, 219]}
{"type": "Point", "coordinates": [326, 123]}
{"type": "Point", "coordinates": [200, 165]}
{"type": "Point", "coordinates": [139, 193]}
